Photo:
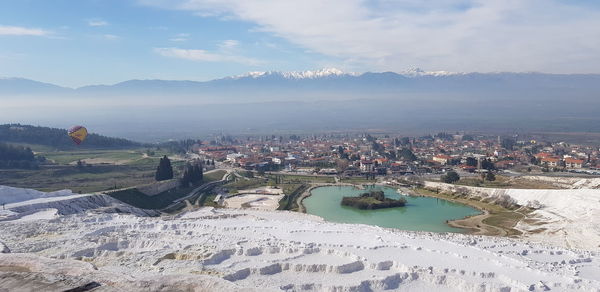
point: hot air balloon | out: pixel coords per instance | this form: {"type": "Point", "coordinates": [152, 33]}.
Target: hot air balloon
{"type": "Point", "coordinates": [78, 134]}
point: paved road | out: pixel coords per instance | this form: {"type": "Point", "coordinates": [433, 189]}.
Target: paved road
{"type": "Point", "coordinates": [201, 188]}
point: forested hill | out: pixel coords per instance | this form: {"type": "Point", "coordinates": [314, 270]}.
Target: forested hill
{"type": "Point", "coordinates": [58, 138]}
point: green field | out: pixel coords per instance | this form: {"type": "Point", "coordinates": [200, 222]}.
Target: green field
{"type": "Point", "coordinates": [242, 184]}
{"type": "Point", "coordinates": [108, 169]}
{"type": "Point", "coordinates": [213, 176]}
{"type": "Point", "coordinates": [87, 179]}
{"type": "Point", "coordinates": [119, 156]}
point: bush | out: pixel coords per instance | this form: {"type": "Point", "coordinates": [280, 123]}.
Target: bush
{"type": "Point", "coordinates": [450, 177]}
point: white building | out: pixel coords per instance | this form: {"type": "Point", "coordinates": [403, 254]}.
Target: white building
{"type": "Point", "coordinates": [367, 166]}
{"type": "Point", "coordinates": [233, 157]}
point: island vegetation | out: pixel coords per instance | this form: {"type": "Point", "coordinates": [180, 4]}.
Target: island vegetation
{"type": "Point", "coordinates": [372, 200]}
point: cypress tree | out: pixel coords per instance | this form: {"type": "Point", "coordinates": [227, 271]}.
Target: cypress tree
{"type": "Point", "coordinates": [169, 168]}
{"type": "Point", "coordinates": [164, 171]}
{"type": "Point", "coordinates": [198, 175]}
{"type": "Point", "coordinates": [186, 178]}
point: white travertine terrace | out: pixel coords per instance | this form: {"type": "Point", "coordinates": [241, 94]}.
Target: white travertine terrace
{"type": "Point", "coordinates": [95, 240]}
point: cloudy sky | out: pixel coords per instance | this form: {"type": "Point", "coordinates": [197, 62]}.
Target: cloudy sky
{"type": "Point", "coordinates": [81, 42]}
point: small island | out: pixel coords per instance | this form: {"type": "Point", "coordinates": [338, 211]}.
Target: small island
{"type": "Point", "coordinates": [372, 200]}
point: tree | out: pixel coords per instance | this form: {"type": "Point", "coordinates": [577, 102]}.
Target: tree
{"type": "Point", "coordinates": [490, 176]}
{"type": "Point", "coordinates": [533, 160]}
{"type": "Point", "coordinates": [405, 141]}
{"type": "Point", "coordinates": [192, 174]}
{"type": "Point", "coordinates": [341, 164]}
{"type": "Point", "coordinates": [487, 164]}
{"type": "Point", "coordinates": [471, 161]}
{"type": "Point", "coordinates": [164, 171]}
{"type": "Point", "coordinates": [450, 177]}
{"type": "Point", "coordinates": [507, 143]}
{"type": "Point", "coordinates": [198, 175]}
{"type": "Point", "coordinates": [13, 156]}
{"type": "Point", "coordinates": [186, 177]}
{"type": "Point", "coordinates": [407, 154]}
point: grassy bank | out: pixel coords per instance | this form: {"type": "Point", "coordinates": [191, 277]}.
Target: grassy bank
{"type": "Point", "coordinates": [496, 220]}
{"type": "Point", "coordinates": [290, 200]}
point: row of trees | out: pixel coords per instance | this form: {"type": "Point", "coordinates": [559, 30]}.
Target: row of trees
{"type": "Point", "coordinates": [192, 172]}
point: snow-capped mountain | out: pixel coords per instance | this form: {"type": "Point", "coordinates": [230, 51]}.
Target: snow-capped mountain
{"type": "Point", "coordinates": [334, 72]}
{"type": "Point", "coordinates": [323, 80]}
{"type": "Point", "coordinates": [326, 72]}
{"type": "Point", "coordinates": [418, 72]}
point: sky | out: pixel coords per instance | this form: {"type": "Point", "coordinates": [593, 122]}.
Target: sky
{"type": "Point", "coordinates": [81, 42]}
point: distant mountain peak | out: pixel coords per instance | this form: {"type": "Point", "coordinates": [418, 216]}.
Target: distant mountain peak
{"type": "Point", "coordinates": [325, 72]}
{"type": "Point", "coordinates": [417, 72]}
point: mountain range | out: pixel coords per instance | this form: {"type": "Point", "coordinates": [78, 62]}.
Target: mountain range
{"type": "Point", "coordinates": [327, 81]}
{"type": "Point", "coordinates": [313, 101]}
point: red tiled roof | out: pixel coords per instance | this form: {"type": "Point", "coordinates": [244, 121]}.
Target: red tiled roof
{"type": "Point", "coordinates": [573, 160]}
{"type": "Point", "coordinates": [443, 156]}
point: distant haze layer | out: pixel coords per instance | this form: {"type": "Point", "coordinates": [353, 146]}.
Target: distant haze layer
{"type": "Point", "coordinates": [319, 101]}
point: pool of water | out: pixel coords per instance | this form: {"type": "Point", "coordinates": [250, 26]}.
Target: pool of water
{"type": "Point", "coordinates": [419, 214]}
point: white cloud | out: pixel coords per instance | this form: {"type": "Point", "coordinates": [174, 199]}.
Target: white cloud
{"type": "Point", "coordinates": [97, 22]}
{"type": "Point", "coordinates": [110, 37]}
{"type": "Point", "coordinates": [180, 37]}
{"type": "Point", "coordinates": [459, 35]}
{"type": "Point", "coordinates": [229, 44]}
{"type": "Point", "coordinates": [205, 56]}
{"type": "Point", "coordinates": [22, 31]}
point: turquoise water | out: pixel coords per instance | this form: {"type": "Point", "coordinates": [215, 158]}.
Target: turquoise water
{"type": "Point", "coordinates": [419, 214]}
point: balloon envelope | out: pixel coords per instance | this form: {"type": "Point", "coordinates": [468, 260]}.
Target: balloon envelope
{"type": "Point", "coordinates": [78, 134]}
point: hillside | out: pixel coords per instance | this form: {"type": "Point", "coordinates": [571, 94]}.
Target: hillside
{"type": "Point", "coordinates": [58, 138]}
